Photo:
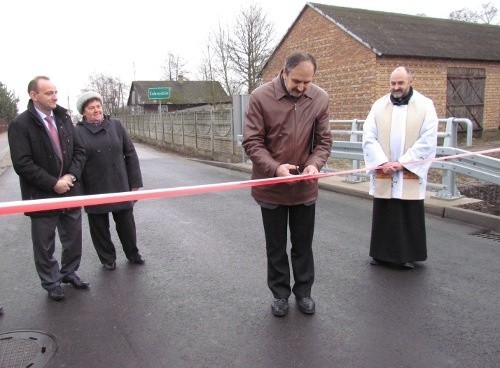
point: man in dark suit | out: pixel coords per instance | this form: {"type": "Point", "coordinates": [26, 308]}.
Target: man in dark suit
{"type": "Point", "coordinates": [49, 160]}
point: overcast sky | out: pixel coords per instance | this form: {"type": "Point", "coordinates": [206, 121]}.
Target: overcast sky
{"type": "Point", "coordinates": [68, 41]}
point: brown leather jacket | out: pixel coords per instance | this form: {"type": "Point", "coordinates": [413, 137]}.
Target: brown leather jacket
{"type": "Point", "coordinates": [278, 129]}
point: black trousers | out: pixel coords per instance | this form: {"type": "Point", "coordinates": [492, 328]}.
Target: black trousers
{"type": "Point", "coordinates": [300, 219]}
{"type": "Point", "coordinates": [43, 235]}
{"type": "Point", "coordinates": [101, 236]}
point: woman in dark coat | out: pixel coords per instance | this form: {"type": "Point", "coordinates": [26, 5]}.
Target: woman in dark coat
{"type": "Point", "coordinates": [111, 166]}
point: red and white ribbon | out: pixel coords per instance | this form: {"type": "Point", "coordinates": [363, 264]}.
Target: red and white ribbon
{"type": "Point", "coordinates": [8, 208]}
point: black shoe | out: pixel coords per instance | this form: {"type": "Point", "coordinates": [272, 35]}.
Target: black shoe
{"type": "Point", "coordinates": [109, 266]}
{"type": "Point", "coordinates": [408, 265]}
{"type": "Point", "coordinates": [280, 307]}
{"type": "Point", "coordinates": [1, 310]}
{"type": "Point", "coordinates": [56, 293]}
{"type": "Point", "coordinates": [306, 305]}
{"type": "Point", "coordinates": [74, 280]}
{"type": "Point", "coordinates": [375, 262]}
{"type": "Point", "coordinates": [137, 259]}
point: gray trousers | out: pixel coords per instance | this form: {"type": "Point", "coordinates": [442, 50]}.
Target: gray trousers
{"type": "Point", "coordinates": [43, 235]}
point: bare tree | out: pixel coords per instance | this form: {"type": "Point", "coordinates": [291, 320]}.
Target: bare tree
{"type": "Point", "coordinates": [465, 15]}
{"type": "Point", "coordinates": [207, 67]}
{"type": "Point", "coordinates": [112, 90]}
{"type": "Point", "coordinates": [236, 56]}
{"type": "Point", "coordinates": [207, 71]}
{"type": "Point", "coordinates": [249, 47]}
{"type": "Point", "coordinates": [486, 15]}
{"type": "Point", "coordinates": [173, 68]}
{"type": "Point", "coordinates": [222, 69]}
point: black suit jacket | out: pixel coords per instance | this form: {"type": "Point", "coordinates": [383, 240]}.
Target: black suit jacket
{"type": "Point", "coordinates": [34, 158]}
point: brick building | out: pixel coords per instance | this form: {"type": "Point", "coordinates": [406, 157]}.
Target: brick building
{"type": "Point", "coordinates": [457, 64]}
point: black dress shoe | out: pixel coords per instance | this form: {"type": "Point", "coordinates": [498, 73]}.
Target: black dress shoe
{"type": "Point", "coordinates": [109, 266]}
{"type": "Point", "coordinates": [306, 305]}
{"type": "Point", "coordinates": [137, 259]}
{"type": "Point", "coordinates": [280, 307]}
{"type": "Point", "coordinates": [75, 281]}
{"type": "Point", "coordinates": [56, 293]}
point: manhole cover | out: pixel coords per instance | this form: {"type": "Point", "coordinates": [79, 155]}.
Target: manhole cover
{"type": "Point", "coordinates": [26, 349]}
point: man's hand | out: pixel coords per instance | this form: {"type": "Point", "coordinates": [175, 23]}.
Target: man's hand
{"type": "Point", "coordinates": [390, 168]}
{"type": "Point", "coordinates": [285, 170]}
{"type": "Point", "coordinates": [68, 178]}
{"type": "Point", "coordinates": [63, 185]}
{"type": "Point", "coordinates": [310, 170]}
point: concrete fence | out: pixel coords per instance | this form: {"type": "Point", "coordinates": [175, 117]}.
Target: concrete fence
{"type": "Point", "coordinates": [206, 134]}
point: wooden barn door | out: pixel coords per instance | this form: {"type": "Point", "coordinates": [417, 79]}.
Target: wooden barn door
{"type": "Point", "coordinates": [465, 95]}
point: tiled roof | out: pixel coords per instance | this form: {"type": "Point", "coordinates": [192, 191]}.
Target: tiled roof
{"type": "Point", "coordinates": [392, 34]}
{"type": "Point", "coordinates": [182, 92]}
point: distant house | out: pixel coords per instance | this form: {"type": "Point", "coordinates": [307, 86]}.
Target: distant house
{"type": "Point", "coordinates": [184, 94]}
{"type": "Point", "coordinates": [457, 64]}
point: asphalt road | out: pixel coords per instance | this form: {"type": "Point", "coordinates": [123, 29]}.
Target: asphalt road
{"type": "Point", "coordinates": [201, 299]}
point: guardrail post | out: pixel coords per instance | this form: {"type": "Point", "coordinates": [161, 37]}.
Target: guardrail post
{"type": "Point", "coordinates": [450, 190]}
{"type": "Point", "coordinates": [354, 178]}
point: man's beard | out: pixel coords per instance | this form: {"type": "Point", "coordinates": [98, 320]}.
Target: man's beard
{"type": "Point", "coordinates": [398, 94]}
{"type": "Point", "coordinates": [295, 93]}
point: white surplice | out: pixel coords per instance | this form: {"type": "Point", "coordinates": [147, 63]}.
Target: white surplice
{"type": "Point", "coordinates": [423, 148]}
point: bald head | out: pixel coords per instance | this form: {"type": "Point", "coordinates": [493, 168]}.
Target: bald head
{"type": "Point", "coordinates": [401, 72]}
{"type": "Point", "coordinates": [400, 82]}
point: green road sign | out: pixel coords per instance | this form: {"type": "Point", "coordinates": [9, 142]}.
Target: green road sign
{"type": "Point", "coordinates": [158, 93]}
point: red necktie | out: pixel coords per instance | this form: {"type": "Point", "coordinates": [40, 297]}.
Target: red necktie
{"type": "Point", "coordinates": [54, 135]}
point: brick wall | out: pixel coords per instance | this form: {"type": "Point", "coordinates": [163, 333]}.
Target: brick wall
{"type": "Point", "coordinates": [354, 76]}
{"type": "Point", "coordinates": [430, 78]}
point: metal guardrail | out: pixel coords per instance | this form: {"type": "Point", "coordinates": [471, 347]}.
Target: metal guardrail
{"type": "Point", "coordinates": [478, 166]}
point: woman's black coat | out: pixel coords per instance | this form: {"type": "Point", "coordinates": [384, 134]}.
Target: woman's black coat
{"type": "Point", "coordinates": [111, 162]}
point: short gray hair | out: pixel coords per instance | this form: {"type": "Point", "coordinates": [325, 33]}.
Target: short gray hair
{"type": "Point", "coordinates": [299, 57]}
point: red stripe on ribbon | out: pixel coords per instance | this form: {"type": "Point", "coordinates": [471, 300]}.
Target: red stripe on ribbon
{"type": "Point", "coordinates": [8, 208]}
